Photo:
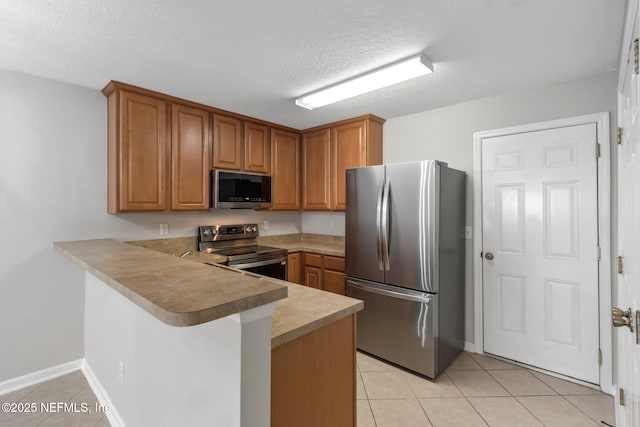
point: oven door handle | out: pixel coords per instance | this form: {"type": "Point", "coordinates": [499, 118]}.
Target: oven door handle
{"type": "Point", "coordinates": [258, 263]}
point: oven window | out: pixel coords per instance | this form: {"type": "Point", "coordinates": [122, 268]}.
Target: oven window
{"type": "Point", "coordinates": [277, 270]}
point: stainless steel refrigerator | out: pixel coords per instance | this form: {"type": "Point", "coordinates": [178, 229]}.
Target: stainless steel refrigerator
{"type": "Point", "coordinates": [405, 255]}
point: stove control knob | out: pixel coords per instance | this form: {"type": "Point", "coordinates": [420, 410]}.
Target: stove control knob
{"type": "Point", "coordinates": [254, 229]}
{"type": "Point", "coordinates": [206, 232]}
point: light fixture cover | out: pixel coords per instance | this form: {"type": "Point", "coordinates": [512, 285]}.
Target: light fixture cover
{"type": "Point", "coordinates": [388, 75]}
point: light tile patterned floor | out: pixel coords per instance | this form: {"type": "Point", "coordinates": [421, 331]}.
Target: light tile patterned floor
{"type": "Point", "coordinates": [475, 390]}
{"type": "Point", "coordinates": [70, 388]}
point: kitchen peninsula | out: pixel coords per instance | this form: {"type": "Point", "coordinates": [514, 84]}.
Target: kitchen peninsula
{"type": "Point", "coordinates": [174, 341]}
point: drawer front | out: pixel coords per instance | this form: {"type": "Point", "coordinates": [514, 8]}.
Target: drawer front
{"type": "Point", "coordinates": [312, 260]}
{"type": "Point", "coordinates": [333, 281]}
{"type": "Point", "coordinates": [334, 263]}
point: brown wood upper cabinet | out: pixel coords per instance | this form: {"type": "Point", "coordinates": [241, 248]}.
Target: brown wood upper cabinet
{"type": "Point", "coordinates": [228, 146]}
{"type": "Point", "coordinates": [157, 152]}
{"type": "Point", "coordinates": [285, 170]}
{"type": "Point", "coordinates": [241, 145]}
{"type": "Point", "coordinates": [190, 154]}
{"type": "Point", "coordinates": [316, 179]}
{"type": "Point", "coordinates": [329, 151]}
{"type": "Point", "coordinates": [257, 148]}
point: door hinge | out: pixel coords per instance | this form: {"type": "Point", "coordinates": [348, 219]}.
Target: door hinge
{"type": "Point", "coordinates": [597, 150]}
{"type": "Point", "coordinates": [619, 135]}
{"type": "Point", "coordinates": [599, 357]}
{"type": "Point", "coordinates": [599, 253]}
{"type": "Point", "coordinates": [636, 62]}
{"type": "Point", "coordinates": [621, 396]}
{"type": "Point", "coordinates": [620, 265]}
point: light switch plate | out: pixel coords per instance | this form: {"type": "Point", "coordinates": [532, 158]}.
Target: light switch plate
{"type": "Point", "coordinates": [164, 229]}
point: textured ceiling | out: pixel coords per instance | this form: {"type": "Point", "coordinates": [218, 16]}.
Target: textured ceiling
{"type": "Point", "coordinates": [254, 57]}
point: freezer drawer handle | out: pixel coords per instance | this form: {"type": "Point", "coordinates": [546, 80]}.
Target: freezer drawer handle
{"type": "Point", "coordinates": [393, 294]}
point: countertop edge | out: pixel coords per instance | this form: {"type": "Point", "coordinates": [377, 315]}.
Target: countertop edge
{"type": "Point", "coordinates": [317, 324]}
{"type": "Point", "coordinates": [312, 247]}
{"type": "Point", "coordinates": [178, 319]}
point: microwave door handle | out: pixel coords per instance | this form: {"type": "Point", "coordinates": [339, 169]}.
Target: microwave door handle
{"type": "Point", "coordinates": [379, 239]}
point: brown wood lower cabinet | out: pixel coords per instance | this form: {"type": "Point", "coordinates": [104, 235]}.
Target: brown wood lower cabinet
{"type": "Point", "coordinates": [313, 277]}
{"type": "Point", "coordinates": [313, 382]}
{"type": "Point", "coordinates": [333, 281]}
{"type": "Point", "coordinates": [324, 272]}
{"type": "Point", "coordinates": [294, 267]}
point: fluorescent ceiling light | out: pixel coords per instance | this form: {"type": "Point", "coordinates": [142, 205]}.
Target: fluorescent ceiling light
{"type": "Point", "coordinates": [388, 75]}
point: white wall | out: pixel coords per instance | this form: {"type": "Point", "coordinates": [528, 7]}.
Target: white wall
{"type": "Point", "coordinates": [331, 223]}
{"type": "Point", "coordinates": [172, 376]}
{"type": "Point", "coordinates": [447, 134]}
{"type": "Point", "coordinates": [53, 188]}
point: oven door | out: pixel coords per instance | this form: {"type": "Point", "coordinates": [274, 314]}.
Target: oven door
{"type": "Point", "coordinates": [271, 267]}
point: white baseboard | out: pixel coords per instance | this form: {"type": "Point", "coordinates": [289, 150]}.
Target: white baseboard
{"type": "Point", "coordinates": [470, 347]}
{"type": "Point", "coordinates": [102, 396]}
{"type": "Point", "coordinates": [18, 383]}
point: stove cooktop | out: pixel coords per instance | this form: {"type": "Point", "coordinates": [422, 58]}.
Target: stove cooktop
{"type": "Point", "coordinates": [247, 252]}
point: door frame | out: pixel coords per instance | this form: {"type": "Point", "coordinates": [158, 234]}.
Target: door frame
{"type": "Point", "coordinates": [601, 121]}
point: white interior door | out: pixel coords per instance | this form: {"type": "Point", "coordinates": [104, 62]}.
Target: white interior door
{"type": "Point", "coordinates": [628, 295]}
{"type": "Point", "coordinates": [540, 243]}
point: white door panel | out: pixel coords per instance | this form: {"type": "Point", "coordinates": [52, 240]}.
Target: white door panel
{"type": "Point", "coordinates": [628, 295]}
{"type": "Point", "coordinates": [539, 201]}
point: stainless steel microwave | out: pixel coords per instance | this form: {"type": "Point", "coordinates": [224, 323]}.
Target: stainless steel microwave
{"type": "Point", "coordinates": [240, 190]}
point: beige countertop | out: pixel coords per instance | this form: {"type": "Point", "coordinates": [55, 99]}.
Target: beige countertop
{"type": "Point", "coordinates": [325, 245]}
{"type": "Point", "coordinates": [184, 292]}
{"type": "Point", "coordinates": [176, 291]}
{"type": "Point", "coordinates": [307, 309]}
{"type": "Point", "coordinates": [317, 247]}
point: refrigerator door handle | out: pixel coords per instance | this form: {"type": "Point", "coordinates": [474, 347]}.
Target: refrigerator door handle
{"type": "Point", "coordinates": [394, 294]}
{"type": "Point", "coordinates": [379, 238]}
{"type": "Point", "coordinates": [385, 224]}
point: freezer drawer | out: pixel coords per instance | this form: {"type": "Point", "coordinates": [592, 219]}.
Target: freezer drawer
{"type": "Point", "coordinates": [397, 325]}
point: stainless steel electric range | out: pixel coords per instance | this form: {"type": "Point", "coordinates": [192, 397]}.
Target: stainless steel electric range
{"type": "Point", "coordinates": [239, 244]}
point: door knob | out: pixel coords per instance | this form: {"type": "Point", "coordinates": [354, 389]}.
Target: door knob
{"type": "Point", "coordinates": [488, 256]}
{"type": "Point", "coordinates": [621, 318]}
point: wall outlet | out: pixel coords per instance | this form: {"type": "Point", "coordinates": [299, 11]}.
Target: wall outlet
{"type": "Point", "coordinates": [266, 224]}
{"type": "Point", "coordinates": [164, 229]}
{"type": "Point", "coordinates": [121, 371]}
{"type": "Point", "coordinates": [468, 232]}
{"type": "Point", "coordinates": [332, 224]}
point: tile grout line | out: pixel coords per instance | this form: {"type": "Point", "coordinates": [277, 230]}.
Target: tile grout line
{"type": "Point", "coordinates": [518, 400]}
{"type": "Point", "coordinates": [587, 415]}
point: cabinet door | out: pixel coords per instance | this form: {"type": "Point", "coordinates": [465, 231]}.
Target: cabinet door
{"type": "Point", "coordinates": [285, 167]}
{"type": "Point", "coordinates": [257, 148]}
{"type": "Point", "coordinates": [334, 263]}
{"type": "Point", "coordinates": [227, 143]}
{"type": "Point", "coordinates": [316, 148]}
{"type": "Point", "coordinates": [190, 158]}
{"type": "Point", "coordinates": [348, 150]}
{"type": "Point", "coordinates": [313, 277]}
{"type": "Point", "coordinates": [294, 268]}
{"type": "Point", "coordinates": [143, 153]}
{"type": "Point", "coordinates": [333, 281]}
{"type": "Point", "coordinates": [312, 260]}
